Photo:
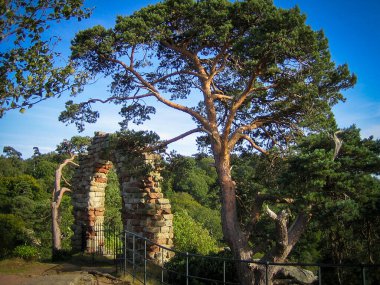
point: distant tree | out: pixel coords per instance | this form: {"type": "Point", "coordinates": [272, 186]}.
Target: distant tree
{"type": "Point", "coordinates": [71, 148]}
{"type": "Point", "coordinates": [10, 152]}
{"type": "Point", "coordinates": [194, 176]}
{"type": "Point", "coordinates": [29, 71]}
{"type": "Point", "coordinates": [36, 151]}
{"type": "Point", "coordinates": [191, 236]}
{"type": "Point", "coordinates": [23, 197]}
{"type": "Point", "coordinates": [209, 218]}
{"type": "Point", "coordinates": [112, 216]}
{"type": "Point", "coordinates": [255, 76]}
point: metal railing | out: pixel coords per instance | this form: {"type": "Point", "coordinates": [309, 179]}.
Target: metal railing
{"type": "Point", "coordinates": [131, 251]}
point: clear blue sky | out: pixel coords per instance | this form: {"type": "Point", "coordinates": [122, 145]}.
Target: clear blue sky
{"type": "Point", "coordinates": [353, 30]}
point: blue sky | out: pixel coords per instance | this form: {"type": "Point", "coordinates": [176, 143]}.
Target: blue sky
{"type": "Point", "coordinates": [353, 30]}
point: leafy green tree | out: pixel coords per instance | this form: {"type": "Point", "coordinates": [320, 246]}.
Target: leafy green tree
{"type": "Point", "coordinates": [251, 75]}
{"type": "Point", "coordinates": [29, 69]}
{"type": "Point", "coordinates": [190, 236]}
{"type": "Point", "coordinates": [208, 218]}
{"type": "Point", "coordinates": [112, 216]}
{"type": "Point", "coordinates": [342, 194]}
{"type": "Point", "coordinates": [11, 152]}
{"type": "Point", "coordinates": [23, 197]}
{"type": "Point", "coordinates": [12, 233]}
{"type": "Point", "coordinates": [193, 176]}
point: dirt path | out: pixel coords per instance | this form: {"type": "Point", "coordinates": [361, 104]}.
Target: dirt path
{"type": "Point", "coordinates": [19, 272]}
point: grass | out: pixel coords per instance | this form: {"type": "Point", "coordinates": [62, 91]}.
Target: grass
{"type": "Point", "coordinates": [20, 266]}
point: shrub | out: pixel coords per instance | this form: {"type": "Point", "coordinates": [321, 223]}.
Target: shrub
{"type": "Point", "coordinates": [26, 252]}
{"type": "Point", "coordinates": [191, 236]}
{"type": "Point", "coordinates": [12, 233]}
{"type": "Point", "coordinates": [208, 218]}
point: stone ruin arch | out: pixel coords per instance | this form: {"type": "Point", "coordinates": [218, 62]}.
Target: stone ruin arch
{"type": "Point", "coordinates": [145, 211]}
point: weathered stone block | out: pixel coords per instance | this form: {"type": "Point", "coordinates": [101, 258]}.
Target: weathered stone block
{"type": "Point", "coordinates": [168, 216]}
{"type": "Point", "coordinates": [163, 201]}
{"type": "Point", "coordinates": [165, 229]}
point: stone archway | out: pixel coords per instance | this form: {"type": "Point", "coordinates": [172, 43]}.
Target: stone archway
{"type": "Point", "coordinates": [145, 211]}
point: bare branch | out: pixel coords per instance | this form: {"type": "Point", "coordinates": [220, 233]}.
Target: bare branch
{"type": "Point", "coordinates": [222, 97]}
{"type": "Point", "coordinates": [270, 213]}
{"type": "Point", "coordinates": [282, 249]}
{"type": "Point", "coordinates": [64, 179]}
{"type": "Point", "coordinates": [298, 227]}
{"type": "Point", "coordinates": [60, 195]}
{"type": "Point", "coordinates": [58, 176]}
{"type": "Point", "coordinates": [338, 144]}
{"type": "Point", "coordinates": [260, 198]}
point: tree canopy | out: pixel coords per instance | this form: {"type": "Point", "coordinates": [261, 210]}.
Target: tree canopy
{"type": "Point", "coordinates": [29, 68]}
{"type": "Point", "coordinates": [263, 68]}
{"type": "Point", "coordinates": [248, 73]}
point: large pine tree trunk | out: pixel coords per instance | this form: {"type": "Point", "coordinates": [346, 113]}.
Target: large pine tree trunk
{"type": "Point", "coordinates": [232, 231]}
{"type": "Point", "coordinates": [238, 241]}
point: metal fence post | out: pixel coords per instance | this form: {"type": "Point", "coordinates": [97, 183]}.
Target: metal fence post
{"type": "Point", "coordinates": [187, 268]}
{"type": "Point", "coordinates": [319, 275]}
{"type": "Point", "coordinates": [144, 261]}
{"type": "Point", "coordinates": [224, 272]}
{"type": "Point", "coordinates": [162, 266]}
{"type": "Point", "coordinates": [266, 273]}
{"type": "Point", "coordinates": [363, 275]}
{"type": "Point", "coordinates": [133, 257]}
{"type": "Point", "coordinates": [125, 252]}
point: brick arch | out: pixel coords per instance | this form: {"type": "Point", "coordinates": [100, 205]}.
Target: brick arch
{"type": "Point", "coordinates": [145, 211]}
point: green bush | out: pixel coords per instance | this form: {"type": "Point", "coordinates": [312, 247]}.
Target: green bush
{"type": "Point", "coordinates": [190, 236]}
{"type": "Point", "coordinates": [26, 252]}
{"type": "Point", "coordinates": [12, 233]}
{"type": "Point", "coordinates": [208, 218]}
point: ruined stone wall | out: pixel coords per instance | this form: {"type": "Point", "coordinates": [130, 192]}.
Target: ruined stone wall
{"type": "Point", "coordinates": [145, 211]}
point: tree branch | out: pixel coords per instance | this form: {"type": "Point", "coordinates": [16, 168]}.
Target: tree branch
{"type": "Point", "coordinates": [58, 176]}
{"type": "Point", "coordinates": [237, 135]}
{"type": "Point", "coordinates": [298, 227]}
{"type": "Point", "coordinates": [281, 249]}
{"type": "Point", "coordinates": [253, 144]}
{"type": "Point", "coordinates": [167, 142]}
{"type": "Point", "coordinates": [237, 105]}
{"type": "Point", "coordinates": [156, 94]}
{"type": "Point", "coordinates": [187, 54]}
{"type": "Point", "coordinates": [174, 74]}
{"type": "Point", "coordinates": [270, 213]}
{"type": "Point", "coordinates": [60, 195]}
{"type": "Point", "coordinates": [338, 144]}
